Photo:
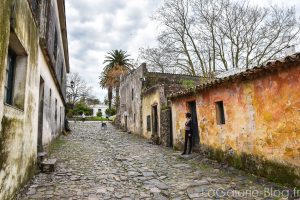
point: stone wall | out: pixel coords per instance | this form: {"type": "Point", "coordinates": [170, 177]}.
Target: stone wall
{"type": "Point", "coordinates": [20, 32]}
{"type": "Point", "coordinates": [153, 97]}
{"type": "Point", "coordinates": [130, 101]}
{"type": "Point", "coordinates": [18, 124]}
{"type": "Point", "coordinates": [165, 129]}
{"type": "Point", "coordinates": [261, 131]}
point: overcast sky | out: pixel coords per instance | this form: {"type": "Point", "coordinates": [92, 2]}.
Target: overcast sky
{"type": "Point", "coordinates": [98, 26]}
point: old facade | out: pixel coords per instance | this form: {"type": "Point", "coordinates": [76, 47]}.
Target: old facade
{"type": "Point", "coordinates": [143, 102]}
{"type": "Point", "coordinates": [250, 120]}
{"type": "Point", "coordinates": [156, 113]}
{"type": "Point", "coordinates": [33, 67]}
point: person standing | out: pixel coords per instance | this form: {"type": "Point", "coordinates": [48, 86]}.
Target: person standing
{"type": "Point", "coordinates": [188, 133]}
{"type": "Point", "coordinates": [83, 117]}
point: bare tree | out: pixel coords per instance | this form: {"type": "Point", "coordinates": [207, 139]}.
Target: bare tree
{"type": "Point", "coordinates": [159, 59]}
{"type": "Point", "coordinates": [212, 35]}
{"type": "Point", "coordinates": [77, 89]}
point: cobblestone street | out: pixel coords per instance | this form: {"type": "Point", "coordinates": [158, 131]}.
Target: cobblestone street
{"type": "Point", "coordinates": [110, 164]}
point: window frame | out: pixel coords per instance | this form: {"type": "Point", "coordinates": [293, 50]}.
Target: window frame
{"type": "Point", "coordinates": [10, 76]}
{"type": "Point", "coordinates": [220, 113]}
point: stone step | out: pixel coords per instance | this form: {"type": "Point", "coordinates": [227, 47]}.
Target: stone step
{"type": "Point", "coordinates": [42, 155]}
{"type": "Point", "coordinates": [48, 166]}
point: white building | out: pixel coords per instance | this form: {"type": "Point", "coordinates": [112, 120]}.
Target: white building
{"type": "Point", "coordinates": [99, 108]}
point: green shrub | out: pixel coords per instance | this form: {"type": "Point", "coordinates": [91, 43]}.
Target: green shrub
{"type": "Point", "coordinates": [188, 83]}
{"type": "Point", "coordinates": [81, 108]}
{"type": "Point", "coordinates": [99, 114]}
{"type": "Point", "coordinates": [110, 112]}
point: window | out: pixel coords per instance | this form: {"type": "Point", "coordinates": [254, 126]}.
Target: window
{"type": "Point", "coordinates": [220, 112]}
{"type": "Point", "coordinates": [132, 94]}
{"type": "Point", "coordinates": [15, 77]}
{"type": "Point", "coordinates": [56, 110]}
{"type": "Point", "coordinates": [35, 8]}
{"type": "Point", "coordinates": [50, 98]}
{"type": "Point", "coordinates": [62, 74]}
{"type": "Point", "coordinates": [134, 118]}
{"type": "Point", "coordinates": [55, 44]}
{"type": "Point", "coordinates": [148, 123]}
{"type": "Point", "coordinates": [10, 74]}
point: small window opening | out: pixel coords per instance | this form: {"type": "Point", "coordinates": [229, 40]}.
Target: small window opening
{"type": "Point", "coordinates": [15, 77]}
{"type": "Point", "coordinates": [56, 110]}
{"type": "Point", "coordinates": [55, 44]}
{"type": "Point", "coordinates": [148, 123]}
{"type": "Point", "coordinates": [132, 95]}
{"type": "Point", "coordinates": [10, 74]}
{"type": "Point", "coordinates": [220, 112]}
{"type": "Point", "coordinates": [62, 74]}
{"type": "Point", "coordinates": [50, 98]}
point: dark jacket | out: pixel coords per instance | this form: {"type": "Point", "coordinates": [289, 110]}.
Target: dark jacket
{"type": "Point", "coordinates": [189, 126]}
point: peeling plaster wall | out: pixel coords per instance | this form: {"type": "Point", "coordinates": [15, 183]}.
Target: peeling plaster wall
{"type": "Point", "coordinates": [51, 127]}
{"type": "Point", "coordinates": [262, 130]}
{"type": "Point", "coordinates": [18, 127]}
{"type": "Point", "coordinates": [148, 100]}
{"type": "Point", "coordinates": [128, 106]}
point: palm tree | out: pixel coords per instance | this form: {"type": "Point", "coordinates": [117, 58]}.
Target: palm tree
{"type": "Point", "coordinates": [105, 82]}
{"type": "Point", "coordinates": [117, 63]}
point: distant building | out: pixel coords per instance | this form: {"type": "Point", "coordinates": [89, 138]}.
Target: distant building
{"type": "Point", "coordinates": [143, 102]}
{"type": "Point", "coordinates": [99, 108]}
{"type": "Point", "coordinates": [33, 66]}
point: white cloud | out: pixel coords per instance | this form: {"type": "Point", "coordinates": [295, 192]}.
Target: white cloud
{"type": "Point", "coordinates": [98, 26]}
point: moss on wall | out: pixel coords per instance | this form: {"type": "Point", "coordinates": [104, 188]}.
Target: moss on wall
{"type": "Point", "coordinates": [274, 171]}
{"type": "Point", "coordinates": [7, 133]}
{"type": "Point", "coordinates": [4, 34]}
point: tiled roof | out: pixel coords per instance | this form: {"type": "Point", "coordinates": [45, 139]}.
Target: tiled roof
{"type": "Point", "coordinates": [246, 75]}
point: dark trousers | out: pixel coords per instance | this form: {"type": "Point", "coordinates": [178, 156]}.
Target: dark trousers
{"type": "Point", "coordinates": [186, 140]}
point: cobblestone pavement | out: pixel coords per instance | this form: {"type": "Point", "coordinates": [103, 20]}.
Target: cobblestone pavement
{"type": "Point", "coordinates": [110, 164]}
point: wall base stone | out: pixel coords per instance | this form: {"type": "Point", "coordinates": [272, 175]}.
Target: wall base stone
{"type": "Point", "coordinates": [274, 171]}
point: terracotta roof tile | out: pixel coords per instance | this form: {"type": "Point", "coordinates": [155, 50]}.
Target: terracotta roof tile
{"type": "Point", "coordinates": [248, 74]}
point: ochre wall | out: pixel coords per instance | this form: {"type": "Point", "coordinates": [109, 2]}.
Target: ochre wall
{"type": "Point", "coordinates": [262, 123]}
{"type": "Point", "coordinates": [147, 102]}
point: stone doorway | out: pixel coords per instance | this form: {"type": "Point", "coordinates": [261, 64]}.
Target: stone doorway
{"type": "Point", "coordinates": [40, 116]}
{"type": "Point", "coordinates": [196, 138]}
{"type": "Point", "coordinates": [154, 113]}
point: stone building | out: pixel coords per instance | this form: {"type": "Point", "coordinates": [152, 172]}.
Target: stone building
{"type": "Point", "coordinates": [33, 66]}
{"type": "Point", "coordinates": [143, 102]}
{"type": "Point", "coordinates": [250, 120]}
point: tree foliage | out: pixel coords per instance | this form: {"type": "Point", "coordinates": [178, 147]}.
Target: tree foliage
{"type": "Point", "coordinates": [117, 63]}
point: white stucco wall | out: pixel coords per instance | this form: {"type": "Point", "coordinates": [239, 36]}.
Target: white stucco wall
{"type": "Point", "coordinates": [51, 127]}
{"type": "Point", "coordinates": [97, 107]}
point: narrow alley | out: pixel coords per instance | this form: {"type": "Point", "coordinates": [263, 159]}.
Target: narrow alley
{"type": "Point", "coordinates": [110, 164]}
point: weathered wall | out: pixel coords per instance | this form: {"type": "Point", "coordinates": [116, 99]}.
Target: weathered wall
{"type": "Point", "coordinates": [262, 129]}
{"type": "Point", "coordinates": [19, 122]}
{"type": "Point", "coordinates": [51, 127]}
{"type": "Point", "coordinates": [129, 106]}
{"type": "Point", "coordinates": [165, 128]}
{"type": "Point", "coordinates": [18, 127]}
{"type": "Point", "coordinates": [148, 100]}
